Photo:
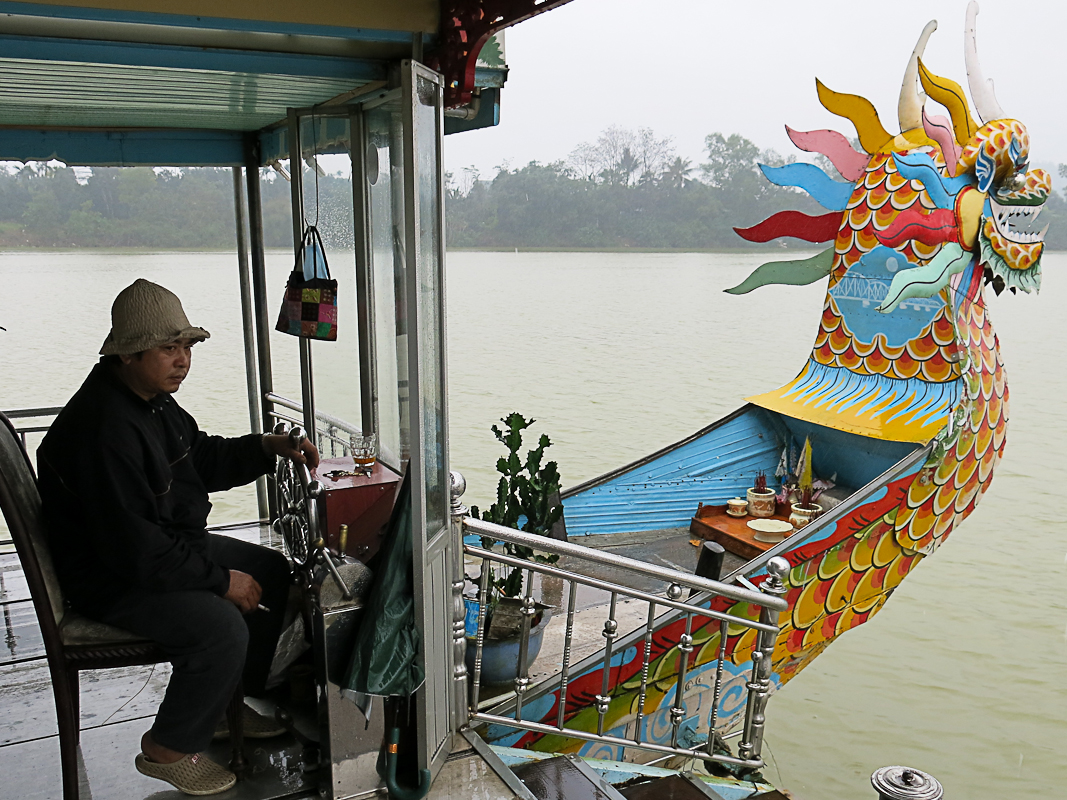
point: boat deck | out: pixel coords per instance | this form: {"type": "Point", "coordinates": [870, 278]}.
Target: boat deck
{"type": "Point", "coordinates": [118, 705]}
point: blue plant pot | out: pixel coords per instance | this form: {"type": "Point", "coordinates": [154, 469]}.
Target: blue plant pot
{"type": "Point", "coordinates": [500, 658]}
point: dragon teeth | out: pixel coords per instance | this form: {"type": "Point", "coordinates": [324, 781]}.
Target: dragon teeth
{"type": "Point", "coordinates": [1015, 223]}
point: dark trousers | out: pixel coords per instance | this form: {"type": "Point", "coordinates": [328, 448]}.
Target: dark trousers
{"type": "Point", "coordinates": [209, 643]}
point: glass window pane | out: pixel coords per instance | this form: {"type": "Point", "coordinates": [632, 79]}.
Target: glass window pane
{"type": "Point", "coordinates": [327, 186]}
{"type": "Point", "coordinates": [385, 134]}
{"type": "Point", "coordinates": [430, 300]}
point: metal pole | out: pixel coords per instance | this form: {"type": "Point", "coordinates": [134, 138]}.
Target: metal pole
{"type": "Point", "coordinates": [255, 417]}
{"type": "Point", "coordinates": [361, 180]}
{"type": "Point", "coordinates": [460, 708]}
{"type": "Point", "coordinates": [296, 184]}
{"type": "Point", "coordinates": [751, 746]}
{"type": "Point", "coordinates": [259, 284]}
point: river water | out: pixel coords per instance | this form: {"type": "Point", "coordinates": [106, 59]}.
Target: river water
{"type": "Point", "coordinates": [963, 674]}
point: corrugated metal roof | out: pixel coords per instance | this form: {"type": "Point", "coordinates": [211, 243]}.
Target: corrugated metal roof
{"type": "Point", "coordinates": [74, 94]}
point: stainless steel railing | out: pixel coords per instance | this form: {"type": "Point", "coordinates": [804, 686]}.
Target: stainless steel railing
{"type": "Point", "coordinates": [757, 688]}
{"type": "Point", "coordinates": [330, 432]}
{"type": "Point", "coordinates": [26, 421]}
{"type": "Point", "coordinates": [30, 420]}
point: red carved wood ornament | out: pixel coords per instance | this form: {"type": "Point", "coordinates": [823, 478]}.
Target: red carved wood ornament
{"type": "Point", "coordinates": [466, 25]}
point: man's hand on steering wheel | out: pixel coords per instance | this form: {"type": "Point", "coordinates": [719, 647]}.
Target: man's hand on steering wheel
{"type": "Point", "coordinates": [244, 591]}
{"type": "Point", "coordinates": [281, 445]}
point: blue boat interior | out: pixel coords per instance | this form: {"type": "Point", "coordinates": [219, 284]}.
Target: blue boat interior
{"type": "Point", "coordinates": [719, 462]}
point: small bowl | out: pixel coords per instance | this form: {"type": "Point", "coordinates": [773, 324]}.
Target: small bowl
{"type": "Point", "coordinates": [770, 531]}
{"type": "Point", "coordinates": [737, 507]}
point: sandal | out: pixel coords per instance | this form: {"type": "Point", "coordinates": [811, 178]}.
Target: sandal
{"type": "Point", "coordinates": [194, 774]}
{"type": "Point", "coordinates": [254, 724]}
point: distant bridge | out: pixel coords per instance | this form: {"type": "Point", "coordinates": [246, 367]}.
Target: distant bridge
{"type": "Point", "coordinates": [873, 291]}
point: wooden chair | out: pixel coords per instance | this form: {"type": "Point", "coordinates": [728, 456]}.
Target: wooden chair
{"type": "Point", "coordinates": [72, 642]}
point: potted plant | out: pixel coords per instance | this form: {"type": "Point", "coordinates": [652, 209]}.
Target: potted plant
{"type": "Point", "coordinates": [526, 499]}
{"type": "Point", "coordinates": [804, 511]}
{"type": "Point", "coordinates": [761, 499]}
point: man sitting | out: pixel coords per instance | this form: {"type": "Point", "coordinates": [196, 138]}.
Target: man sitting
{"type": "Point", "coordinates": [124, 479]}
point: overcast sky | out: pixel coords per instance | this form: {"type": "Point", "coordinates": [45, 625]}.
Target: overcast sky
{"type": "Point", "coordinates": [686, 68]}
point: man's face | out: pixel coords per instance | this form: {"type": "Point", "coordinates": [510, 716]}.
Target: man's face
{"type": "Point", "coordinates": [160, 370]}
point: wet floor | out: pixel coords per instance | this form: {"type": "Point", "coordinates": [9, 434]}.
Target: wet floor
{"type": "Point", "coordinates": [118, 705]}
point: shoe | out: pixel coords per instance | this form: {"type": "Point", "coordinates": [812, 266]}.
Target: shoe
{"type": "Point", "coordinates": [256, 726]}
{"type": "Point", "coordinates": [194, 774]}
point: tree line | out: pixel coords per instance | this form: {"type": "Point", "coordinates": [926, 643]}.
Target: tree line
{"type": "Point", "coordinates": [55, 206]}
{"type": "Point", "coordinates": [626, 189]}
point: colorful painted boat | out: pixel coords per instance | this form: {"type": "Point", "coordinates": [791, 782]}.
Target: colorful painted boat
{"type": "Point", "coordinates": [903, 397]}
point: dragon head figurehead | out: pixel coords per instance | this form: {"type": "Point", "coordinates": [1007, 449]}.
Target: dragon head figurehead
{"type": "Point", "coordinates": [922, 222]}
{"type": "Point", "coordinates": [998, 215]}
{"type": "Point", "coordinates": [998, 203]}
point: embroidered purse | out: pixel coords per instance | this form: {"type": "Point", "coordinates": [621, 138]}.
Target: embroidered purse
{"type": "Point", "coordinates": [309, 309]}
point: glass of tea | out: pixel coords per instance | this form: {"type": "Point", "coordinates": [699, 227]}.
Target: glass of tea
{"type": "Point", "coordinates": [364, 451]}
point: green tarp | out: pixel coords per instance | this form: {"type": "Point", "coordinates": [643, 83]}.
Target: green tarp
{"type": "Point", "coordinates": [385, 659]}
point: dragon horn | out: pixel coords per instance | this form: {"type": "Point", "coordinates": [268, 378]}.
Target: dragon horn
{"type": "Point", "coordinates": [985, 101]}
{"type": "Point", "coordinates": [910, 105]}
{"type": "Point", "coordinates": [950, 95]}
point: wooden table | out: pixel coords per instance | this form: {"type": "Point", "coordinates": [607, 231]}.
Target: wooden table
{"type": "Point", "coordinates": [714, 524]}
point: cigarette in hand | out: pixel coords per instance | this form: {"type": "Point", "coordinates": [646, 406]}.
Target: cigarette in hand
{"type": "Point", "coordinates": [262, 607]}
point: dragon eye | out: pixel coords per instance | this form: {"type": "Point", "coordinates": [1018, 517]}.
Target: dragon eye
{"type": "Point", "coordinates": [984, 169]}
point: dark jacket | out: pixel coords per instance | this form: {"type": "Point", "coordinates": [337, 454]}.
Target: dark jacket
{"type": "Point", "coordinates": [125, 483]}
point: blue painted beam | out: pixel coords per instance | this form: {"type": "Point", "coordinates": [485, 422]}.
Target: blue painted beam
{"type": "Point", "coordinates": [488, 114]}
{"type": "Point", "coordinates": [210, 23]}
{"type": "Point", "coordinates": [90, 148]}
{"type": "Point", "coordinates": [39, 48]}
{"type": "Point", "coordinates": [490, 77]}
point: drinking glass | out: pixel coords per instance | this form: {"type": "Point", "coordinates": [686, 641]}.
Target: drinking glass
{"type": "Point", "coordinates": [364, 451]}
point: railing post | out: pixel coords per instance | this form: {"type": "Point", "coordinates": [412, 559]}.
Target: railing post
{"type": "Point", "coordinates": [461, 709]}
{"type": "Point", "coordinates": [751, 746]}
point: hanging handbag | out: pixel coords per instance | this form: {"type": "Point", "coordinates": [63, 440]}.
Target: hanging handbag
{"type": "Point", "coordinates": [309, 309]}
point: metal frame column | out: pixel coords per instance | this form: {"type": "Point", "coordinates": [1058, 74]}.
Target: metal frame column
{"type": "Point", "coordinates": [296, 184]}
{"type": "Point", "coordinates": [255, 412]}
{"type": "Point", "coordinates": [430, 546]}
{"type": "Point", "coordinates": [259, 283]}
{"type": "Point", "coordinates": [368, 371]}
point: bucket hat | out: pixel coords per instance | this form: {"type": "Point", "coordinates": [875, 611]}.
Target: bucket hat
{"type": "Point", "coordinates": [145, 315]}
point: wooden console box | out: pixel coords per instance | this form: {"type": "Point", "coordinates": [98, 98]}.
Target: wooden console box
{"type": "Point", "coordinates": [363, 503]}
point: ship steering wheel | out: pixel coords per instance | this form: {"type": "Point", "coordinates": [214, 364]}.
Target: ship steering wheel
{"type": "Point", "coordinates": [296, 495]}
